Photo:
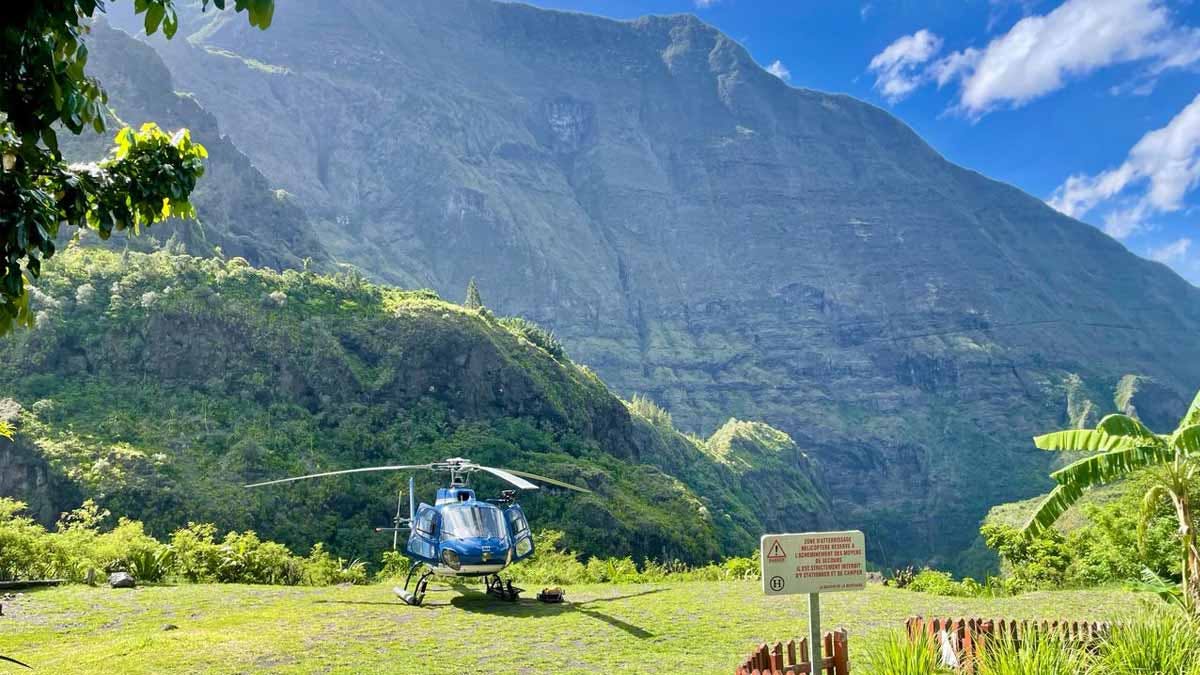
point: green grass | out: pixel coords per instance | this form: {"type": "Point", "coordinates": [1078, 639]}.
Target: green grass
{"type": "Point", "coordinates": [696, 627]}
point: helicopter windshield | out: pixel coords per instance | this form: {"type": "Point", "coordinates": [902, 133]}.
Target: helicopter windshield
{"type": "Point", "coordinates": [472, 521]}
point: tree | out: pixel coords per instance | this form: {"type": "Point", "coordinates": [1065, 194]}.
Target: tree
{"type": "Point", "coordinates": [148, 177]}
{"type": "Point", "coordinates": [474, 300]}
{"type": "Point", "coordinates": [1121, 445]}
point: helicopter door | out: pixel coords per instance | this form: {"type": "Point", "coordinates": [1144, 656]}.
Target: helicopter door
{"type": "Point", "coordinates": [519, 527]}
{"type": "Point", "coordinates": [423, 542]}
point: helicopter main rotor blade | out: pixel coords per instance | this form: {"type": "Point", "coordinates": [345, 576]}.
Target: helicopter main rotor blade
{"type": "Point", "coordinates": [551, 481]}
{"type": "Point", "coordinates": [501, 473]}
{"type": "Point", "coordinates": [396, 467]}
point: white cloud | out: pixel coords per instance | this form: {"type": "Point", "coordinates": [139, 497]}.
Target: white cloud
{"type": "Point", "coordinates": [865, 10]}
{"type": "Point", "coordinates": [1042, 52]}
{"type": "Point", "coordinates": [1159, 171]}
{"type": "Point", "coordinates": [704, 4]}
{"type": "Point", "coordinates": [899, 68]}
{"type": "Point", "coordinates": [1172, 252]}
{"type": "Point", "coordinates": [779, 70]}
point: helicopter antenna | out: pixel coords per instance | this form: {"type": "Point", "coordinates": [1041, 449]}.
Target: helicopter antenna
{"type": "Point", "coordinates": [396, 520]}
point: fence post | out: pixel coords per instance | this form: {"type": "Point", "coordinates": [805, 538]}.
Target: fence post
{"type": "Point", "coordinates": [841, 653]}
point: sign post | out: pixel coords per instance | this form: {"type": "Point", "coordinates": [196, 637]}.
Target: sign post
{"type": "Point", "coordinates": [813, 563]}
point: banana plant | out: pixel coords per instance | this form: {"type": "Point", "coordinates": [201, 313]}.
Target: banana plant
{"type": "Point", "coordinates": [1119, 446]}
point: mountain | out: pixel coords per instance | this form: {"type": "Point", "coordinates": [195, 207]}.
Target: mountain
{"type": "Point", "coordinates": [159, 383]}
{"type": "Point", "coordinates": [699, 231]}
{"type": "Point", "coordinates": [241, 212]}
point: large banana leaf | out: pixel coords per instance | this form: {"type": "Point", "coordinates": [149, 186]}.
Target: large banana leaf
{"type": "Point", "coordinates": [1149, 505]}
{"type": "Point", "coordinates": [1114, 432]}
{"type": "Point", "coordinates": [1108, 466]}
{"type": "Point", "coordinates": [1052, 507]}
{"type": "Point", "coordinates": [1193, 413]}
{"type": "Point", "coordinates": [1124, 425]}
{"type": "Point", "coordinates": [1187, 440]}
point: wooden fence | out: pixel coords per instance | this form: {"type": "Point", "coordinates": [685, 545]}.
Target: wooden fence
{"type": "Point", "coordinates": [960, 641]}
{"type": "Point", "coordinates": [791, 658]}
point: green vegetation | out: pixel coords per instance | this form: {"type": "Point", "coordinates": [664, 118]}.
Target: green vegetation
{"type": "Point", "coordinates": [1100, 546]}
{"type": "Point", "coordinates": [535, 334]}
{"type": "Point", "coordinates": [82, 547]}
{"type": "Point", "coordinates": [1155, 641]}
{"type": "Point", "coordinates": [701, 627]}
{"type": "Point", "coordinates": [1121, 446]}
{"type": "Point", "coordinates": [897, 654]}
{"type": "Point", "coordinates": [1037, 653]}
{"type": "Point", "coordinates": [555, 564]}
{"type": "Point", "coordinates": [189, 377]}
{"type": "Point", "coordinates": [148, 177]}
{"type": "Point", "coordinates": [1161, 641]}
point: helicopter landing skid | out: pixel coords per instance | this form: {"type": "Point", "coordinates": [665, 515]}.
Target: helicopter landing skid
{"type": "Point", "coordinates": [498, 588]}
{"type": "Point", "coordinates": [417, 595]}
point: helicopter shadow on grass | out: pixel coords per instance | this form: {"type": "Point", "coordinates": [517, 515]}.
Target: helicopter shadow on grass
{"type": "Point", "coordinates": [473, 601]}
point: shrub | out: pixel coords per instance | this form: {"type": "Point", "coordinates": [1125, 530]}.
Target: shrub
{"type": "Point", "coordinates": [897, 654]}
{"type": "Point", "coordinates": [613, 570]}
{"type": "Point", "coordinates": [645, 408]}
{"type": "Point", "coordinates": [26, 552]}
{"type": "Point", "coordinates": [744, 568]}
{"type": "Point", "coordinates": [936, 582]}
{"type": "Point", "coordinates": [197, 554]}
{"type": "Point", "coordinates": [248, 560]}
{"type": "Point", "coordinates": [902, 577]}
{"type": "Point", "coordinates": [322, 569]}
{"type": "Point", "coordinates": [553, 564]}
{"type": "Point", "coordinates": [127, 548]}
{"type": "Point", "coordinates": [535, 334]}
{"type": "Point", "coordinates": [395, 566]}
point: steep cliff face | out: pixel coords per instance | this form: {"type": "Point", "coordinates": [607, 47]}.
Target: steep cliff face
{"type": "Point", "coordinates": [699, 231]}
{"type": "Point", "coordinates": [25, 474]}
{"type": "Point", "coordinates": [238, 209]}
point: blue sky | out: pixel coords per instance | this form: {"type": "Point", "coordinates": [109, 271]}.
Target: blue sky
{"type": "Point", "coordinates": [1091, 105]}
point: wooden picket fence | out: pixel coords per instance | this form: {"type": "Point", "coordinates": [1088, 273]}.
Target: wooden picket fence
{"type": "Point", "coordinates": [967, 638]}
{"type": "Point", "coordinates": [791, 658]}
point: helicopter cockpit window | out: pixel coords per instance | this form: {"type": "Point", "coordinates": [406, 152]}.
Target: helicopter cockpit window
{"type": "Point", "coordinates": [472, 521]}
{"type": "Point", "coordinates": [519, 525]}
{"type": "Point", "coordinates": [424, 521]}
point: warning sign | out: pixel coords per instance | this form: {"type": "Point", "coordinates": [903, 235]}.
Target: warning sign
{"type": "Point", "coordinates": [813, 562]}
{"type": "Point", "coordinates": [776, 554]}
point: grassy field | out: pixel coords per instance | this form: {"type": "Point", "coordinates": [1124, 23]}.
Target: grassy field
{"type": "Point", "coordinates": [681, 627]}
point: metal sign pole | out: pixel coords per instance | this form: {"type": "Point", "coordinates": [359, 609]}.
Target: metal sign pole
{"type": "Point", "coordinates": [814, 632]}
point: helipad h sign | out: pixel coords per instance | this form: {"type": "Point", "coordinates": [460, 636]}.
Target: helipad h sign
{"type": "Point", "coordinates": [813, 562]}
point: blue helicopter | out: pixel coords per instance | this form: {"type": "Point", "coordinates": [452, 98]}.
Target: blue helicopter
{"type": "Point", "coordinates": [459, 535]}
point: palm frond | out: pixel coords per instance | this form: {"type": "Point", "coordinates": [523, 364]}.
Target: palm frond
{"type": "Point", "coordinates": [1108, 466]}
{"type": "Point", "coordinates": [1051, 509]}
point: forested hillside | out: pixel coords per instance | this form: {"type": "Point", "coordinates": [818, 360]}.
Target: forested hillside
{"type": "Point", "coordinates": [160, 383]}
